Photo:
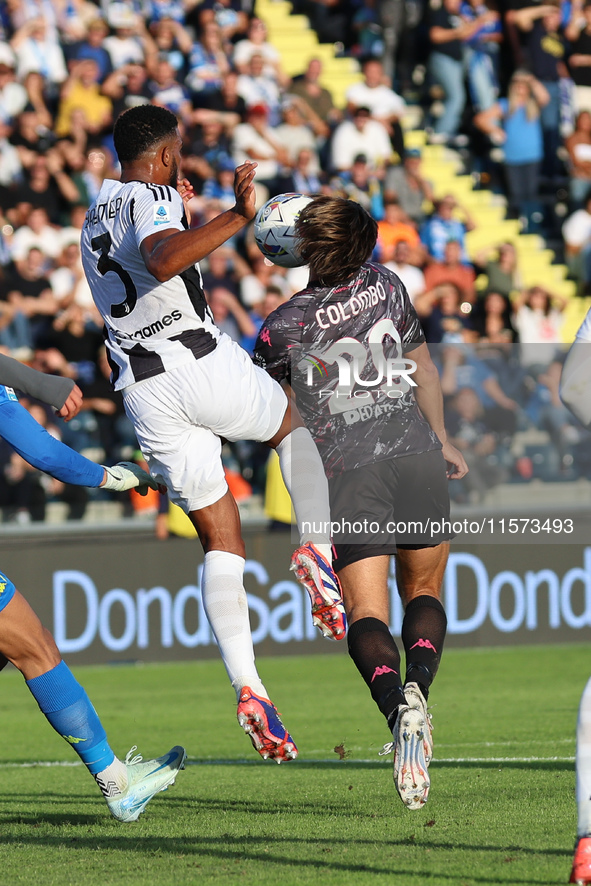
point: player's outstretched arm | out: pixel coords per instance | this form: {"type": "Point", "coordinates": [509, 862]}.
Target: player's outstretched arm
{"type": "Point", "coordinates": [61, 393]}
{"type": "Point", "coordinates": [430, 401]}
{"type": "Point", "coordinates": [44, 452]}
{"type": "Point", "coordinates": [167, 253]}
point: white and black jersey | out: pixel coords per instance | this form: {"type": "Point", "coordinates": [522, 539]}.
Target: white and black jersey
{"type": "Point", "coordinates": [150, 327]}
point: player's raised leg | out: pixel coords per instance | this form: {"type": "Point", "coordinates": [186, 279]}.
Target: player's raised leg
{"type": "Point", "coordinates": [581, 870]}
{"type": "Point", "coordinates": [126, 786]}
{"type": "Point", "coordinates": [226, 607]}
{"type": "Point", "coordinates": [304, 477]}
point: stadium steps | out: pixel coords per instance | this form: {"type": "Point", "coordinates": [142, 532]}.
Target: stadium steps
{"type": "Point", "coordinates": [298, 43]}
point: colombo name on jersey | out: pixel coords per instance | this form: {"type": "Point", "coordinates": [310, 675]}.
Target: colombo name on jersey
{"type": "Point", "coordinates": [341, 349]}
{"type": "Point", "coordinates": [150, 327]}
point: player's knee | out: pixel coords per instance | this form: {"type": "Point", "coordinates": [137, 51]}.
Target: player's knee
{"type": "Point", "coordinates": [37, 654]}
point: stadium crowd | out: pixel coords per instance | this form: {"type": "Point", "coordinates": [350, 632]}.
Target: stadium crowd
{"type": "Point", "coordinates": [506, 86]}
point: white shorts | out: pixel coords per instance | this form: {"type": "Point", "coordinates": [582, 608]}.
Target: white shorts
{"type": "Point", "coordinates": [180, 415]}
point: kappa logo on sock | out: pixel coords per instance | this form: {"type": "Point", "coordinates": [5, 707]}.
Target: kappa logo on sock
{"type": "Point", "coordinates": [380, 670]}
{"type": "Point", "coordinates": [72, 739]}
{"type": "Point", "coordinates": [424, 644]}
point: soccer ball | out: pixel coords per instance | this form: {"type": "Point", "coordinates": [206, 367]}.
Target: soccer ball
{"type": "Point", "coordinates": [274, 229]}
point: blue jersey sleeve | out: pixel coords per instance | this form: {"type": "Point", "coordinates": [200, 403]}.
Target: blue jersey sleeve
{"type": "Point", "coordinates": [43, 451]}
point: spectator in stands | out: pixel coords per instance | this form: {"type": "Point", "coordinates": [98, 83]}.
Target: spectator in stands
{"type": "Point", "coordinates": [257, 88]}
{"type": "Point", "coordinates": [92, 47]}
{"type": "Point", "coordinates": [578, 33]}
{"type": "Point", "coordinates": [538, 319]}
{"type": "Point", "coordinates": [220, 189]}
{"type": "Point", "coordinates": [546, 411]}
{"type": "Point", "coordinates": [229, 15]}
{"type": "Point", "coordinates": [384, 104]}
{"type": "Point", "coordinates": [224, 105]}
{"type": "Point", "coordinates": [482, 53]}
{"type": "Point", "coordinates": [255, 140]}
{"type": "Point", "coordinates": [546, 45]}
{"type": "Point", "coordinates": [173, 43]}
{"type": "Point", "coordinates": [295, 135]}
{"type": "Point", "coordinates": [130, 43]}
{"type": "Point", "coordinates": [256, 43]}
{"type": "Point", "coordinates": [68, 282]}
{"type": "Point", "coordinates": [394, 227]}
{"type": "Point", "coordinates": [515, 123]}
{"type": "Point", "coordinates": [208, 146]}
{"type": "Point", "coordinates": [208, 63]}
{"type": "Point", "coordinates": [77, 342]}
{"type": "Point", "coordinates": [82, 93]}
{"type": "Point", "coordinates": [447, 33]}
{"type": "Point", "coordinates": [360, 135]}
{"type": "Point", "coordinates": [412, 277]}
{"type": "Point", "coordinates": [578, 145]}
{"type": "Point", "coordinates": [47, 184]}
{"type": "Point", "coordinates": [38, 50]}
{"type": "Point", "coordinates": [444, 315]}
{"type": "Point", "coordinates": [501, 271]}
{"type": "Point", "coordinates": [39, 233]}
{"type": "Point", "coordinates": [273, 296]}
{"type": "Point", "coordinates": [441, 227]}
{"type": "Point", "coordinates": [362, 185]}
{"type": "Point", "coordinates": [167, 92]}
{"type": "Point", "coordinates": [229, 315]}
{"type": "Point", "coordinates": [304, 177]}
{"type": "Point", "coordinates": [253, 285]}
{"type": "Point", "coordinates": [468, 431]}
{"type": "Point", "coordinates": [127, 87]}
{"type": "Point", "coordinates": [452, 270]}
{"type": "Point", "coordinates": [462, 368]}
{"type": "Point", "coordinates": [492, 318]}
{"type": "Point", "coordinates": [224, 268]}
{"type": "Point", "coordinates": [115, 431]}
{"type": "Point", "coordinates": [29, 291]}
{"type": "Point", "coordinates": [406, 182]}
{"type": "Point", "coordinates": [307, 86]}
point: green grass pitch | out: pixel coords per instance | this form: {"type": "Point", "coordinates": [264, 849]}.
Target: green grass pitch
{"type": "Point", "coordinates": [501, 809]}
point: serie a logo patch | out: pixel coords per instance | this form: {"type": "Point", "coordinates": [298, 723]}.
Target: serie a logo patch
{"type": "Point", "coordinates": [161, 215]}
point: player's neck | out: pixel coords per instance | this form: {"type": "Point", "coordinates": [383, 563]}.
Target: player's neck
{"type": "Point", "coordinates": [149, 173]}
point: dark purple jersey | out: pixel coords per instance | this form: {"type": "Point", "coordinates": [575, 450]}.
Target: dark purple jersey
{"type": "Point", "coordinates": [346, 351]}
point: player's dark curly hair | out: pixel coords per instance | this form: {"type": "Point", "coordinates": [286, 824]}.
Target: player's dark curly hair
{"type": "Point", "coordinates": [335, 237]}
{"type": "Point", "coordinates": [138, 129]}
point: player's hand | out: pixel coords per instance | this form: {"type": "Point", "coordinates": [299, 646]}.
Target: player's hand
{"type": "Point", "coordinates": [244, 189]}
{"type": "Point", "coordinates": [72, 406]}
{"type": "Point", "coordinates": [185, 189]}
{"type": "Point", "coordinates": [127, 475]}
{"type": "Point", "coordinates": [457, 467]}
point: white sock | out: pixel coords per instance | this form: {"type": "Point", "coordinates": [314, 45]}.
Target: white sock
{"type": "Point", "coordinates": [304, 477]}
{"type": "Point", "coordinates": [226, 607]}
{"type": "Point", "coordinates": [113, 780]}
{"type": "Point", "coordinates": [583, 763]}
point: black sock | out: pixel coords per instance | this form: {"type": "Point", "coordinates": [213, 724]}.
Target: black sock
{"type": "Point", "coordinates": [423, 633]}
{"type": "Point", "coordinates": [376, 656]}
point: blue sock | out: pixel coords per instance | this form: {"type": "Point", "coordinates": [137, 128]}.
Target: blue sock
{"type": "Point", "coordinates": [66, 705]}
